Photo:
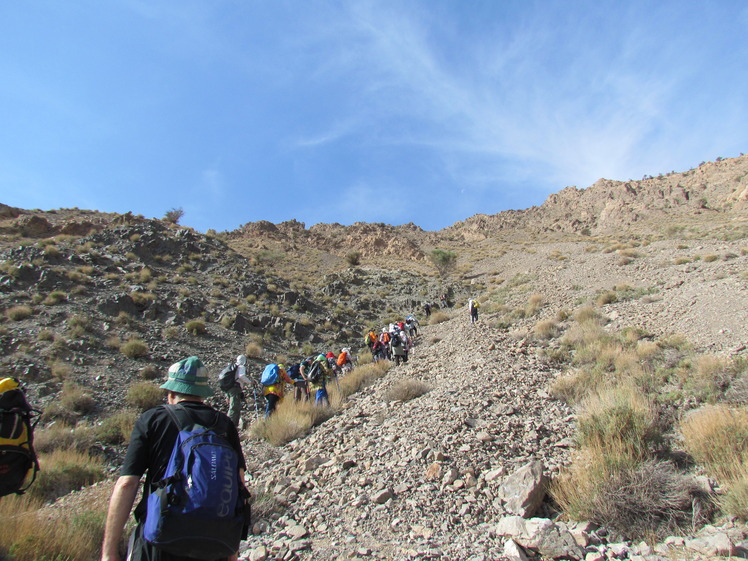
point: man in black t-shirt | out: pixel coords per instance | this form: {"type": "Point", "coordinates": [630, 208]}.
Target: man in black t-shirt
{"type": "Point", "coordinates": [150, 448]}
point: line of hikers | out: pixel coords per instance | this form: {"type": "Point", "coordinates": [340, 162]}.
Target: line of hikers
{"type": "Point", "coordinates": [308, 377]}
{"type": "Point", "coordinates": [394, 342]}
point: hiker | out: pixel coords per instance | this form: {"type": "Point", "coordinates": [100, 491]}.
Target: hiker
{"type": "Point", "coordinates": [443, 301]}
{"type": "Point", "coordinates": [427, 309]}
{"type": "Point", "coordinates": [332, 363]}
{"type": "Point", "coordinates": [398, 351]}
{"type": "Point", "coordinates": [273, 380]}
{"type": "Point", "coordinates": [378, 351]}
{"type": "Point", "coordinates": [473, 309]}
{"type": "Point", "coordinates": [411, 325]}
{"type": "Point", "coordinates": [235, 392]}
{"type": "Point", "coordinates": [318, 374]}
{"type": "Point", "coordinates": [384, 338]}
{"type": "Point", "coordinates": [153, 438]}
{"type": "Point", "coordinates": [345, 362]}
{"type": "Point", "coordinates": [301, 390]}
{"type": "Point", "coordinates": [370, 338]}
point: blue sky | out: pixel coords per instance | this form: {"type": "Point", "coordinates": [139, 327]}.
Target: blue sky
{"type": "Point", "coordinates": [421, 111]}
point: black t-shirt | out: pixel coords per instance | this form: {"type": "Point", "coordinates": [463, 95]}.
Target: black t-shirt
{"type": "Point", "coordinates": [155, 433]}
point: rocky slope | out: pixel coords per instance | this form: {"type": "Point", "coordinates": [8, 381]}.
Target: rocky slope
{"type": "Point", "coordinates": [420, 479]}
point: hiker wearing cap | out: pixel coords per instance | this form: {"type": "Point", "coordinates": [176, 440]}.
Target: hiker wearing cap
{"type": "Point", "coordinates": [235, 393]}
{"type": "Point", "coordinates": [274, 390]}
{"type": "Point", "coordinates": [151, 444]}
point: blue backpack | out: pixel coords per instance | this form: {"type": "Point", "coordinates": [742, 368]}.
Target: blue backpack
{"type": "Point", "coordinates": [200, 508]}
{"type": "Point", "coordinates": [270, 375]}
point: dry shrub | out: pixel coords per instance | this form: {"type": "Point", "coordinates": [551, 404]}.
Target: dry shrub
{"type": "Point", "coordinates": [361, 377]}
{"type": "Point", "coordinates": [588, 314]}
{"type": "Point", "coordinates": [621, 417]}
{"type": "Point", "coordinates": [60, 370]}
{"type": "Point", "coordinates": [149, 372]}
{"type": "Point", "coordinates": [438, 317]}
{"type": "Point", "coordinates": [144, 395]}
{"type": "Point", "coordinates": [63, 471]}
{"type": "Point", "coordinates": [18, 313]}
{"type": "Point", "coordinates": [55, 297]}
{"type": "Point", "coordinates": [30, 533]}
{"type": "Point", "coordinates": [533, 305]}
{"type": "Point", "coordinates": [116, 428]}
{"type": "Point", "coordinates": [636, 500]}
{"type": "Point", "coordinates": [545, 329]}
{"type": "Point", "coordinates": [405, 390]}
{"type": "Point", "coordinates": [134, 348]}
{"type": "Point", "coordinates": [253, 350]}
{"type": "Point", "coordinates": [290, 421]}
{"type": "Point", "coordinates": [584, 335]}
{"type": "Point", "coordinates": [717, 437]}
{"type": "Point", "coordinates": [573, 386]}
{"type": "Point", "coordinates": [61, 436]}
{"type": "Point", "coordinates": [74, 398]}
{"type": "Point", "coordinates": [607, 297]}
{"type": "Point", "coordinates": [195, 327]}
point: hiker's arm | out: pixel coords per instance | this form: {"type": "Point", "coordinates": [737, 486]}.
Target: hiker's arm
{"type": "Point", "coordinates": [120, 505]}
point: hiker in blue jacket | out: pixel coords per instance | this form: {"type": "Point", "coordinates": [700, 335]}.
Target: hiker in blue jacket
{"type": "Point", "coordinates": [153, 438]}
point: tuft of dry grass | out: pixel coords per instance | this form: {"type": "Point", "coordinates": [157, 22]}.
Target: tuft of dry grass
{"type": "Point", "coordinates": [134, 348]}
{"type": "Point", "coordinates": [640, 500]}
{"type": "Point", "coordinates": [63, 471]}
{"type": "Point", "coordinates": [144, 395]}
{"type": "Point", "coordinates": [545, 329]}
{"type": "Point", "coordinates": [74, 398]}
{"type": "Point", "coordinates": [717, 437]}
{"type": "Point", "coordinates": [533, 305]}
{"type": "Point", "coordinates": [437, 317]}
{"type": "Point", "coordinates": [30, 532]}
{"type": "Point", "coordinates": [253, 350]}
{"type": "Point", "coordinates": [622, 418]}
{"type": "Point", "coordinates": [290, 421]}
{"type": "Point", "coordinates": [195, 327]}
{"type": "Point", "coordinates": [405, 390]}
{"type": "Point", "coordinates": [18, 313]}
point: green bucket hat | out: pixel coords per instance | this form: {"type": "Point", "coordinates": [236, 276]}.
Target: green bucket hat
{"type": "Point", "coordinates": [188, 376]}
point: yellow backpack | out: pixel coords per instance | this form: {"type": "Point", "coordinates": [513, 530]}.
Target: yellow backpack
{"type": "Point", "coordinates": [17, 457]}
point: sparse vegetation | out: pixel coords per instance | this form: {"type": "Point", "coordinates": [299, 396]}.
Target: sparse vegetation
{"type": "Point", "coordinates": [405, 390]}
{"type": "Point", "coordinates": [195, 327]}
{"type": "Point", "coordinates": [134, 348]}
{"type": "Point", "coordinates": [144, 395]}
{"type": "Point", "coordinates": [18, 313]}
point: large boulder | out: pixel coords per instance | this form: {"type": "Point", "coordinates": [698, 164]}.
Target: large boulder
{"type": "Point", "coordinates": [524, 490]}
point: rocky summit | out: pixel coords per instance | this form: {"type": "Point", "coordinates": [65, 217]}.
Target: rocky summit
{"type": "Point", "coordinates": [98, 304]}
